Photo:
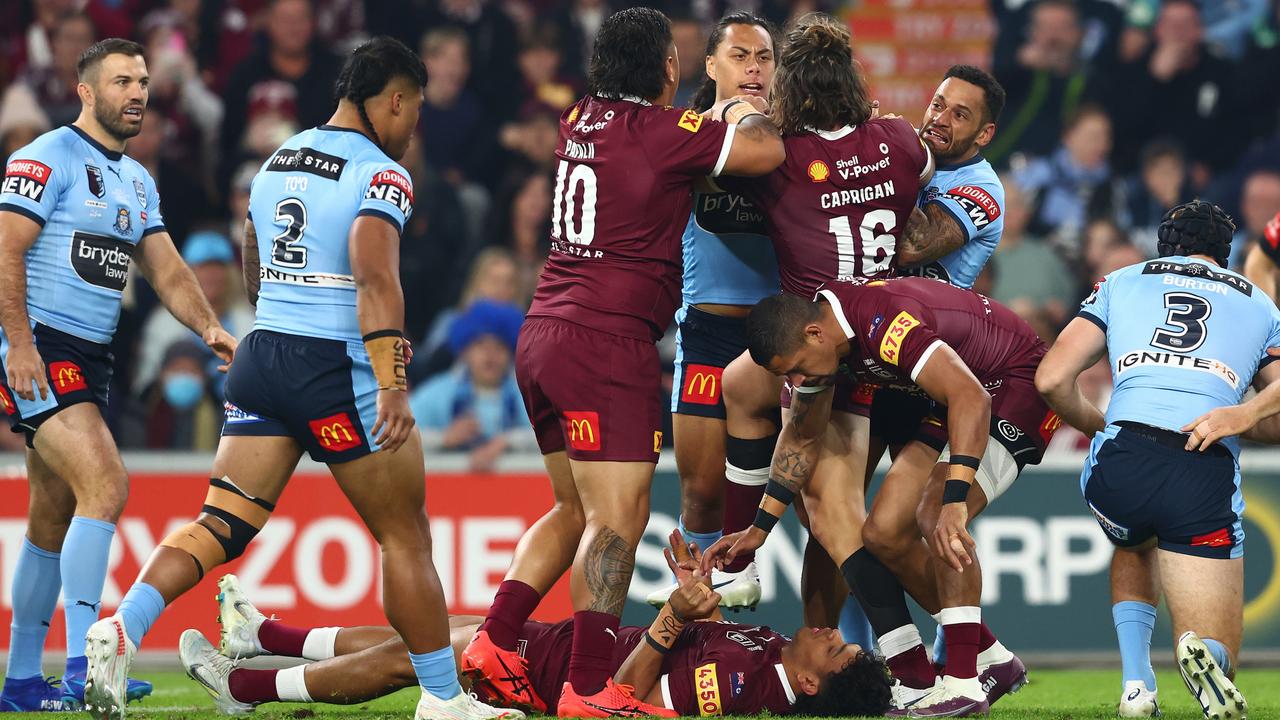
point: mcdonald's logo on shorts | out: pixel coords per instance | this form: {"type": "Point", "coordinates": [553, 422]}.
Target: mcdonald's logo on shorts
{"type": "Point", "coordinates": [65, 376]}
{"type": "Point", "coordinates": [583, 429]}
{"type": "Point", "coordinates": [1050, 425]}
{"type": "Point", "coordinates": [336, 433]}
{"type": "Point", "coordinates": [6, 402]}
{"type": "Point", "coordinates": [701, 384]}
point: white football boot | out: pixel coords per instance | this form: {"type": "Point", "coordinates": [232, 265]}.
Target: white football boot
{"type": "Point", "coordinates": [737, 590]}
{"type": "Point", "coordinates": [1137, 701]}
{"type": "Point", "coordinates": [211, 670]}
{"type": "Point", "coordinates": [240, 621]}
{"type": "Point", "coordinates": [109, 652]}
{"type": "Point", "coordinates": [463, 706]}
{"type": "Point", "coordinates": [1217, 695]}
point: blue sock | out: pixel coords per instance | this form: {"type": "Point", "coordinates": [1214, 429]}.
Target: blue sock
{"type": "Point", "coordinates": [940, 647]}
{"type": "Point", "coordinates": [1219, 653]}
{"type": "Point", "coordinates": [854, 627]}
{"type": "Point", "coordinates": [703, 540]}
{"type": "Point", "coordinates": [436, 672]}
{"type": "Point", "coordinates": [1134, 621]}
{"type": "Point", "coordinates": [84, 570]}
{"type": "Point", "coordinates": [36, 584]}
{"type": "Point", "coordinates": [139, 609]}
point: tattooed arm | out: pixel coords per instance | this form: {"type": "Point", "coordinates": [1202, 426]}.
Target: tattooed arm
{"type": "Point", "coordinates": [642, 668]}
{"type": "Point", "coordinates": [252, 278]}
{"type": "Point", "coordinates": [797, 449]}
{"type": "Point", "coordinates": [931, 233]}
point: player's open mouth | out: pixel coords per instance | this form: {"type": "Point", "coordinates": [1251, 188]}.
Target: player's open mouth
{"type": "Point", "coordinates": [937, 137]}
{"type": "Point", "coordinates": [133, 112]}
{"type": "Point", "coordinates": [751, 88]}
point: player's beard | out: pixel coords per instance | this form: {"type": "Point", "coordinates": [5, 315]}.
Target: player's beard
{"type": "Point", "coordinates": [112, 120]}
{"type": "Point", "coordinates": [956, 149]}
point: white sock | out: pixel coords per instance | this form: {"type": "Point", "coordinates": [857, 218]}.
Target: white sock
{"type": "Point", "coordinates": [899, 640]}
{"type": "Point", "coordinates": [319, 643]}
{"type": "Point", "coordinates": [969, 687]}
{"type": "Point", "coordinates": [994, 655]}
{"type": "Point", "coordinates": [291, 684]}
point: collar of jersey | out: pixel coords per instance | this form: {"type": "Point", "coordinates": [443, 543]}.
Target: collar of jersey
{"type": "Point", "coordinates": [628, 98]}
{"type": "Point", "coordinates": [109, 154]}
{"type": "Point", "coordinates": [971, 161]}
{"type": "Point", "coordinates": [335, 128]}
{"type": "Point", "coordinates": [786, 684]}
{"type": "Point", "coordinates": [833, 134]}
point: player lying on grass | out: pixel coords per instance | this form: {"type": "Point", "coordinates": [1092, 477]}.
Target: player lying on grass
{"type": "Point", "coordinates": [688, 667]}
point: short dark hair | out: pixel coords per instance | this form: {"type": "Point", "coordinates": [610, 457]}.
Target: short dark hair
{"type": "Point", "coordinates": [774, 326]}
{"type": "Point", "coordinates": [93, 55]}
{"type": "Point", "coordinates": [817, 83]}
{"type": "Point", "coordinates": [370, 67]}
{"type": "Point", "coordinates": [630, 55]}
{"type": "Point", "coordinates": [862, 688]}
{"type": "Point", "coordinates": [992, 90]}
{"type": "Point", "coordinates": [705, 96]}
{"type": "Point", "coordinates": [1196, 228]}
{"type": "Point", "coordinates": [1159, 148]}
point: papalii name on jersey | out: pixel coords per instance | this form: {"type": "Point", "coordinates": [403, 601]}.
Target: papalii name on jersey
{"type": "Point", "coordinates": [392, 187]}
{"type": "Point", "coordinates": [26, 178]}
{"type": "Point", "coordinates": [978, 204]}
{"type": "Point", "coordinates": [1141, 358]}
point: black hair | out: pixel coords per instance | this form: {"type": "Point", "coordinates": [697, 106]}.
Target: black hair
{"type": "Point", "coordinates": [992, 90]}
{"type": "Point", "coordinates": [1159, 148]}
{"type": "Point", "coordinates": [630, 55]}
{"type": "Point", "coordinates": [1196, 228]}
{"type": "Point", "coordinates": [775, 324]}
{"type": "Point", "coordinates": [368, 70]}
{"type": "Point", "coordinates": [860, 689]}
{"type": "Point", "coordinates": [93, 55]}
{"type": "Point", "coordinates": [705, 96]}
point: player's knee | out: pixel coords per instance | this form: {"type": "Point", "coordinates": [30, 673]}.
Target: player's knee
{"type": "Point", "coordinates": [884, 542]}
{"type": "Point", "coordinates": [703, 494]}
{"type": "Point", "coordinates": [926, 517]}
{"type": "Point", "coordinates": [228, 522]}
{"type": "Point", "coordinates": [571, 513]}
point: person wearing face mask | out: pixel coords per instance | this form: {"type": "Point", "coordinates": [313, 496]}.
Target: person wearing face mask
{"type": "Point", "coordinates": [181, 412]}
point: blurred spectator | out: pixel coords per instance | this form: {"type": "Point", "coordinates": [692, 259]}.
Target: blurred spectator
{"type": "Point", "coordinates": [210, 257]}
{"type": "Point", "coordinates": [178, 411]}
{"type": "Point", "coordinates": [476, 406]}
{"type": "Point", "coordinates": [21, 119]}
{"type": "Point", "coordinates": [1045, 82]}
{"type": "Point", "coordinates": [1073, 185]}
{"type": "Point", "coordinates": [1229, 23]}
{"type": "Point", "coordinates": [1259, 202]}
{"type": "Point", "coordinates": [54, 84]}
{"type": "Point", "coordinates": [691, 45]}
{"type": "Point", "coordinates": [289, 76]}
{"type": "Point", "coordinates": [456, 134]}
{"type": "Point", "coordinates": [1120, 255]}
{"type": "Point", "coordinates": [493, 277]}
{"type": "Point", "coordinates": [1100, 238]}
{"type": "Point", "coordinates": [1030, 278]}
{"type": "Point", "coordinates": [579, 20]}
{"type": "Point", "coordinates": [523, 224]}
{"type": "Point", "coordinates": [493, 45]}
{"type": "Point", "coordinates": [1101, 23]}
{"type": "Point", "coordinates": [31, 48]}
{"type": "Point", "coordinates": [1160, 184]}
{"type": "Point", "coordinates": [1177, 89]}
{"type": "Point", "coordinates": [540, 63]}
{"type": "Point", "coordinates": [1259, 112]}
{"type": "Point", "coordinates": [183, 195]}
{"type": "Point", "coordinates": [178, 89]}
{"type": "Point", "coordinates": [241, 182]}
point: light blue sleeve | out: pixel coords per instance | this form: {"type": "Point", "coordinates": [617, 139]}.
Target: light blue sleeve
{"type": "Point", "coordinates": [388, 194]}
{"type": "Point", "coordinates": [35, 179]}
{"type": "Point", "coordinates": [976, 206]}
{"type": "Point", "coordinates": [432, 403]}
{"type": "Point", "coordinates": [155, 220]}
{"type": "Point", "coordinates": [1273, 336]}
{"type": "Point", "coordinates": [1096, 308]}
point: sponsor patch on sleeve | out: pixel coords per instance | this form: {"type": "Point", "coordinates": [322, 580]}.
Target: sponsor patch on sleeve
{"type": "Point", "coordinates": [26, 178]}
{"type": "Point", "coordinates": [392, 187]}
{"type": "Point", "coordinates": [690, 121]}
{"type": "Point", "coordinates": [978, 204]}
{"type": "Point", "coordinates": [894, 335]}
{"type": "Point", "coordinates": [707, 687]}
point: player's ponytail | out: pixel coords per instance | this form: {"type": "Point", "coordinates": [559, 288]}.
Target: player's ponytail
{"type": "Point", "coordinates": [705, 96]}
{"type": "Point", "coordinates": [1196, 228]}
{"type": "Point", "coordinates": [368, 70]}
{"type": "Point", "coordinates": [818, 84]}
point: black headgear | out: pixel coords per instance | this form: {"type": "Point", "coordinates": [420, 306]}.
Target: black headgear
{"type": "Point", "coordinates": [1196, 228]}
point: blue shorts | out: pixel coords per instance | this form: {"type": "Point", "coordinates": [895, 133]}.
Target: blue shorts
{"type": "Point", "coordinates": [319, 392]}
{"type": "Point", "coordinates": [705, 345]}
{"type": "Point", "coordinates": [1140, 483]}
{"type": "Point", "coordinates": [78, 370]}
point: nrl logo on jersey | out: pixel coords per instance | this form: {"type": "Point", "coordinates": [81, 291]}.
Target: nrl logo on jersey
{"type": "Point", "coordinates": [141, 191]}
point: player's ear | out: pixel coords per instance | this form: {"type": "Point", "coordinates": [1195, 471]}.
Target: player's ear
{"type": "Point", "coordinates": [85, 92]}
{"type": "Point", "coordinates": [807, 682]}
{"type": "Point", "coordinates": [813, 331]}
{"type": "Point", "coordinates": [397, 103]}
{"type": "Point", "coordinates": [711, 67]}
{"type": "Point", "coordinates": [985, 135]}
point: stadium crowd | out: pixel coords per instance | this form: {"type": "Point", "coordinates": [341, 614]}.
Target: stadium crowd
{"type": "Point", "coordinates": [1117, 111]}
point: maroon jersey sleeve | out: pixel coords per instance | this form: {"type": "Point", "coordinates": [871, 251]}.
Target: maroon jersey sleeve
{"type": "Point", "coordinates": [917, 151]}
{"type": "Point", "coordinates": [899, 333]}
{"type": "Point", "coordinates": [726, 669]}
{"type": "Point", "coordinates": [683, 142]}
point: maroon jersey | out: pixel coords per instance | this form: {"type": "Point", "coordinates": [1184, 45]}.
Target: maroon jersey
{"type": "Point", "coordinates": [895, 325]}
{"type": "Point", "coordinates": [621, 201]}
{"type": "Point", "coordinates": [836, 208]}
{"type": "Point", "coordinates": [714, 668]}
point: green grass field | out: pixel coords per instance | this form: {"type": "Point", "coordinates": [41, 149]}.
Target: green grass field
{"type": "Point", "coordinates": [1052, 695]}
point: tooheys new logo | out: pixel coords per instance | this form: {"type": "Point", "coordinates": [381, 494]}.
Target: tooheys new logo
{"type": "Point", "coordinates": [101, 260]}
{"type": "Point", "coordinates": [26, 178]}
{"type": "Point", "coordinates": [394, 188]}
{"type": "Point", "coordinates": [977, 203]}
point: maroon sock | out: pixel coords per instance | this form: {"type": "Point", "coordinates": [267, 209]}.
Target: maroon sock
{"type": "Point", "coordinates": [279, 639]}
{"type": "Point", "coordinates": [962, 649]}
{"type": "Point", "coordinates": [512, 606]}
{"type": "Point", "coordinates": [591, 664]}
{"type": "Point", "coordinates": [253, 686]}
{"type": "Point", "coordinates": [986, 638]}
{"type": "Point", "coordinates": [912, 668]}
{"type": "Point", "coordinates": [746, 460]}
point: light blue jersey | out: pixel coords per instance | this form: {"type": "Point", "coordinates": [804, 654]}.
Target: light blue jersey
{"type": "Point", "coordinates": [94, 206]}
{"type": "Point", "coordinates": [972, 193]}
{"type": "Point", "coordinates": [728, 258]}
{"type": "Point", "coordinates": [1183, 337]}
{"type": "Point", "coordinates": [302, 204]}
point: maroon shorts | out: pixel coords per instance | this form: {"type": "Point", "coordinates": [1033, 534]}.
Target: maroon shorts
{"type": "Point", "coordinates": [547, 647]}
{"type": "Point", "coordinates": [595, 394]}
{"type": "Point", "coordinates": [1020, 420]}
{"type": "Point", "coordinates": [851, 397]}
